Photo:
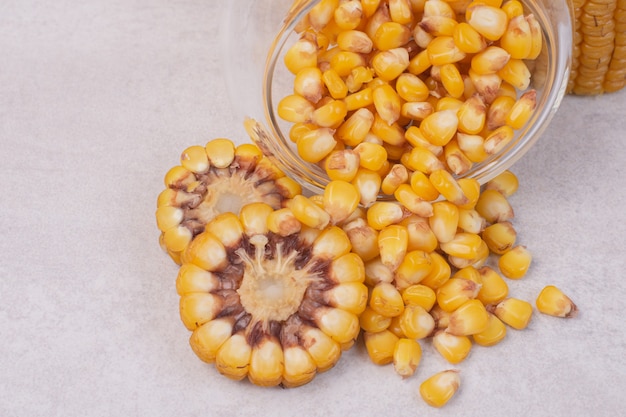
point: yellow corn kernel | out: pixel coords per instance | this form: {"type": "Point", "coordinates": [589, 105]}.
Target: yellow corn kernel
{"type": "Point", "coordinates": [446, 103]}
{"type": "Point", "coordinates": [493, 334]}
{"type": "Point", "coordinates": [416, 322]}
{"type": "Point", "coordinates": [388, 65]}
{"type": "Point", "coordinates": [516, 73]}
{"type": "Point", "coordinates": [500, 237]}
{"type": "Point", "coordinates": [452, 80]}
{"type": "Point", "coordinates": [472, 147]}
{"type": "Point", "coordinates": [455, 292]}
{"type": "Point", "coordinates": [373, 322]}
{"type": "Point", "coordinates": [490, 60]}
{"type": "Point", "coordinates": [370, 7]}
{"type": "Point", "coordinates": [467, 39]}
{"type": "Point", "coordinates": [340, 200]}
{"type": "Point", "coordinates": [514, 312]}
{"type": "Point", "coordinates": [413, 268]}
{"type": "Point", "coordinates": [422, 186]}
{"type": "Point", "coordinates": [472, 116]}
{"type": "Point", "coordinates": [517, 39]}
{"type": "Point", "coordinates": [494, 207]}
{"type": "Point", "coordinates": [207, 252]}
{"type": "Point", "coordinates": [470, 221]}
{"type": "Point", "coordinates": [357, 77]}
{"type": "Point", "coordinates": [489, 21]}
{"type": "Point", "coordinates": [405, 195]}
{"type": "Point", "coordinates": [421, 237]}
{"type": "Point", "coordinates": [355, 41]}
{"type": "Point", "coordinates": [515, 263]}
{"type": "Point", "coordinates": [315, 145]}
{"type": "Point", "coordinates": [397, 175]}
{"type": "Point", "coordinates": [266, 363]}
{"type": "Point", "coordinates": [419, 295]}
{"type": "Point", "coordinates": [356, 127]}
{"type": "Point", "coordinates": [192, 278]}
{"type": "Point", "coordinates": [554, 302]}
{"type": "Point", "coordinates": [390, 35]}
{"type": "Point", "coordinates": [380, 346]}
{"type": "Point", "coordinates": [463, 245]}
{"type": "Point", "coordinates": [448, 187]}
{"type": "Point", "coordinates": [392, 244]}
{"type": "Point", "coordinates": [421, 37]}
{"type": "Point", "coordinates": [470, 318]}
{"type": "Point", "coordinates": [233, 357]}
{"type": "Point", "coordinates": [308, 84]}
{"type": "Point", "coordinates": [295, 109]}
{"type": "Point", "coordinates": [444, 220]}
{"type": "Point", "coordinates": [469, 273]}
{"type": "Point", "coordinates": [537, 37]}
{"type": "Point", "coordinates": [506, 183]}
{"type": "Point", "coordinates": [198, 308]}
{"type": "Point", "coordinates": [438, 25]}
{"type": "Point", "coordinates": [368, 183]}
{"type": "Point", "coordinates": [227, 228]}
{"type": "Point", "coordinates": [254, 218]}
{"type": "Point", "coordinates": [414, 136]}
{"type": "Point", "coordinates": [221, 152]}
{"type": "Point", "coordinates": [471, 190]}
{"type": "Point", "coordinates": [395, 328]}
{"type": "Point", "coordinates": [442, 50]}
{"type": "Point", "coordinates": [331, 244]}
{"type": "Point", "coordinates": [334, 84]}
{"type": "Point", "coordinates": [299, 367]}
{"type": "Point", "coordinates": [308, 213]}
{"type": "Point", "coordinates": [513, 8]}
{"type": "Point", "coordinates": [348, 296]}
{"type": "Point", "coordinates": [384, 213]}
{"type": "Point", "coordinates": [390, 134]}
{"type": "Point", "coordinates": [371, 155]}
{"type": "Point", "coordinates": [342, 165]}
{"type": "Point", "coordinates": [453, 348]}
{"type": "Point", "coordinates": [411, 88]}
{"type": "Point", "coordinates": [442, 317]}
{"type": "Point", "coordinates": [206, 340]}
{"type": "Point", "coordinates": [387, 103]}
{"type": "Point", "coordinates": [359, 99]}
{"type": "Point", "coordinates": [498, 112]}
{"type": "Point", "coordinates": [195, 159]}
{"type": "Point", "coordinates": [416, 111]}
{"type": "Point", "coordinates": [385, 299]}
{"type": "Point", "coordinates": [487, 85]}
{"type": "Point", "coordinates": [377, 272]}
{"type": "Point", "coordinates": [343, 62]}
{"type": "Point", "coordinates": [440, 127]}
{"type": "Point", "coordinates": [401, 11]}
{"type": "Point", "coordinates": [364, 239]}
{"type": "Point", "coordinates": [522, 110]}
{"type": "Point", "coordinates": [407, 355]}
{"type": "Point", "coordinates": [330, 114]}
{"type": "Point", "coordinates": [297, 130]}
{"type": "Point", "coordinates": [439, 273]}
{"type": "Point", "coordinates": [477, 262]}
{"type": "Point", "coordinates": [283, 222]}
{"type": "Point", "coordinates": [321, 14]}
{"type": "Point", "coordinates": [494, 288]}
{"type": "Point", "coordinates": [323, 349]}
{"type": "Point", "coordinates": [342, 326]}
{"type": "Point", "coordinates": [301, 55]}
{"type": "Point", "coordinates": [437, 390]}
{"type": "Point", "coordinates": [348, 15]}
{"type": "Point", "coordinates": [419, 63]}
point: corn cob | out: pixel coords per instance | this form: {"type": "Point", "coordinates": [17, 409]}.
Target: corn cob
{"type": "Point", "coordinates": [599, 46]}
{"type": "Point", "coordinates": [273, 295]}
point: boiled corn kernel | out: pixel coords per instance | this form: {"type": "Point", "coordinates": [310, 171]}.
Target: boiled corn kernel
{"type": "Point", "coordinates": [438, 389]}
{"type": "Point", "coordinates": [407, 355]}
{"type": "Point", "coordinates": [513, 312]}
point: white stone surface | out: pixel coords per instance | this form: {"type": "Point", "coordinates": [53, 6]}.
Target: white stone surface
{"type": "Point", "coordinates": [98, 99]}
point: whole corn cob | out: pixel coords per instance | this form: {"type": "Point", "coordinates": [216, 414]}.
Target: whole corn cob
{"type": "Point", "coordinates": [599, 46]}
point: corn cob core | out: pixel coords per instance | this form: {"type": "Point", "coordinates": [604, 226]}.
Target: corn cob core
{"type": "Point", "coordinates": [599, 46]}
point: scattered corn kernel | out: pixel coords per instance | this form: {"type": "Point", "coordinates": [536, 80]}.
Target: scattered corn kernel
{"type": "Point", "coordinates": [438, 389]}
{"type": "Point", "coordinates": [554, 302]}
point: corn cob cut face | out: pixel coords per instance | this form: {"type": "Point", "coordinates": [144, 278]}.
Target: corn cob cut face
{"type": "Point", "coordinates": [218, 178]}
{"type": "Point", "coordinates": [273, 306]}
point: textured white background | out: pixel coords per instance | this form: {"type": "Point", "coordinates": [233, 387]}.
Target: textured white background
{"type": "Point", "coordinates": [97, 100]}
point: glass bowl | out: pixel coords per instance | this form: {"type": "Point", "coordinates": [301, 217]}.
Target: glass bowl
{"type": "Point", "coordinates": [256, 35]}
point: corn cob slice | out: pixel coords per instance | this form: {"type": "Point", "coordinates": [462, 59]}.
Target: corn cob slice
{"type": "Point", "coordinates": [214, 179]}
{"type": "Point", "coordinates": [268, 298]}
{"type": "Point", "coordinates": [599, 50]}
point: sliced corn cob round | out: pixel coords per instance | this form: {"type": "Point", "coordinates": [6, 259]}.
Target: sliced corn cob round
{"type": "Point", "coordinates": [217, 178]}
{"type": "Point", "coordinates": [269, 298]}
